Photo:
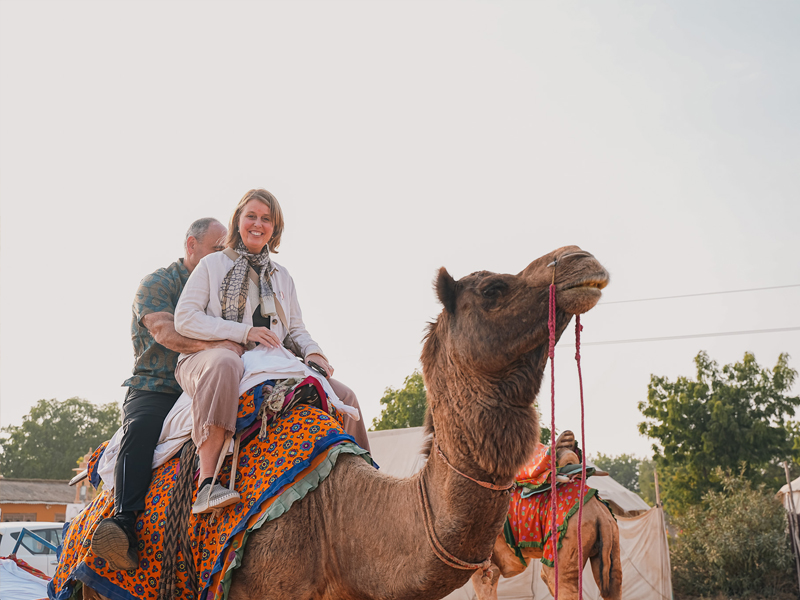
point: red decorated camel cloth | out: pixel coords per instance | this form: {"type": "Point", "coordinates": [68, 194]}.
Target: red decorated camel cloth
{"type": "Point", "coordinates": [529, 518]}
{"type": "Point", "coordinates": [25, 566]}
{"type": "Point", "coordinates": [297, 454]}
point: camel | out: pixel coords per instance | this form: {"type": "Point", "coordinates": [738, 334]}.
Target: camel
{"type": "Point", "coordinates": [363, 534]}
{"type": "Point", "coordinates": [600, 540]}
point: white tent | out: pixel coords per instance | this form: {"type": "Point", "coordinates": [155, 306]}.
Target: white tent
{"type": "Point", "coordinates": [786, 498]}
{"type": "Point", "coordinates": [643, 540]}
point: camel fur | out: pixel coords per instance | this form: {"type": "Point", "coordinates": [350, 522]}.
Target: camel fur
{"type": "Point", "coordinates": [361, 535]}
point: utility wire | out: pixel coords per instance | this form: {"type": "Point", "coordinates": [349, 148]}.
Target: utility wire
{"type": "Point", "coordinates": [661, 339]}
{"type": "Point", "coordinates": [686, 337]}
{"type": "Point", "coordinates": [776, 287]}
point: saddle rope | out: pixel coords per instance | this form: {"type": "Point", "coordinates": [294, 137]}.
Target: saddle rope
{"type": "Point", "coordinates": [176, 530]}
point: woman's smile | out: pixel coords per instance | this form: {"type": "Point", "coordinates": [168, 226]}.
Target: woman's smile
{"type": "Point", "coordinates": [255, 226]}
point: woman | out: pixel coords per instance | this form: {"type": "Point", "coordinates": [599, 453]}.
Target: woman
{"type": "Point", "coordinates": [220, 302]}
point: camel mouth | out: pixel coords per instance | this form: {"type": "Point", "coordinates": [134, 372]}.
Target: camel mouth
{"type": "Point", "coordinates": [582, 295]}
{"type": "Point", "coordinates": [597, 282]}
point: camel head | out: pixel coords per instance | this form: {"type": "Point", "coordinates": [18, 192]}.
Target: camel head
{"type": "Point", "coordinates": [491, 321]}
{"type": "Point", "coordinates": [488, 347]}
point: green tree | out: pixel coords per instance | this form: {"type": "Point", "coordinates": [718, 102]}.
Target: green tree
{"type": "Point", "coordinates": [624, 469]}
{"type": "Point", "coordinates": [404, 407]}
{"type": "Point", "coordinates": [725, 418]}
{"type": "Point", "coordinates": [734, 543]}
{"type": "Point", "coordinates": [53, 435]}
{"type": "Point", "coordinates": [647, 484]}
{"type": "Point", "coordinates": [544, 435]}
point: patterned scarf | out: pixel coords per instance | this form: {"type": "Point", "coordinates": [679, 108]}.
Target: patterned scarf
{"type": "Point", "coordinates": [233, 291]}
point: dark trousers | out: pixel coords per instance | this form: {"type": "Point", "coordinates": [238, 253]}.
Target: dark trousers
{"type": "Point", "coordinates": [143, 414]}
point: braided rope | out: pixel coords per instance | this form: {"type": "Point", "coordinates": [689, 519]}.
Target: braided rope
{"type": "Point", "coordinates": [485, 484]}
{"type": "Point", "coordinates": [176, 529]}
{"type": "Point", "coordinates": [437, 547]}
{"type": "Point", "coordinates": [551, 325]}
{"type": "Point", "coordinates": [578, 328]}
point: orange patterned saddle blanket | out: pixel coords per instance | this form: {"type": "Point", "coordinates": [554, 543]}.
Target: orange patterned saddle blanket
{"type": "Point", "coordinates": [298, 453]}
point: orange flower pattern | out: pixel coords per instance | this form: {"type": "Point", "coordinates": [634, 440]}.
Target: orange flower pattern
{"type": "Point", "coordinates": [295, 446]}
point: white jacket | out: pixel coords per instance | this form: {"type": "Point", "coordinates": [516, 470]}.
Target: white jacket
{"type": "Point", "coordinates": [199, 312]}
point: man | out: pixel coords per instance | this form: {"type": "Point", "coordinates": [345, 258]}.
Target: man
{"type": "Point", "coordinates": [152, 390]}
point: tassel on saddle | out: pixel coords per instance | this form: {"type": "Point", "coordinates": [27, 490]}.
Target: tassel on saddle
{"type": "Point", "coordinates": [287, 394]}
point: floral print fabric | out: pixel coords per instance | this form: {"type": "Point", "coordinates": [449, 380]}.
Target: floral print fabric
{"type": "Point", "coordinates": [296, 445]}
{"type": "Point", "coordinates": [529, 519]}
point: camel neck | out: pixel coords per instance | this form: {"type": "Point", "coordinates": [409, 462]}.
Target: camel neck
{"type": "Point", "coordinates": [461, 511]}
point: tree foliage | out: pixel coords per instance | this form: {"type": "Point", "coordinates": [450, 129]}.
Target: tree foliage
{"type": "Point", "coordinates": [624, 469]}
{"type": "Point", "coordinates": [735, 543]}
{"type": "Point", "coordinates": [647, 484]}
{"type": "Point", "coordinates": [404, 407]}
{"type": "Point", "coordinates": [727, 417]}
{"type": "Point", "coordinates": [53, 435]}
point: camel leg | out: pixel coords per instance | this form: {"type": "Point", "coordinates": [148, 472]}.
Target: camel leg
{"type": "Point", "coordinates": [504, 562]}
{"type": "Point", "coordinates": [567, 580]}
{"type": "Point", "coordinates": [606, 563]}
{"type": "Point", "coordinates": [486, 586]}
{"type": "Point", "coordinates": [505, 559]}
{"type": "Point", "coordinates": [600, 538]}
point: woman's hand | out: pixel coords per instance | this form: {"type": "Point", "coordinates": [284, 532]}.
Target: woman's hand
{"type": "Point", "coordinates": [263, 336]}
{"type": "Point", "coordinates": [320, 360]}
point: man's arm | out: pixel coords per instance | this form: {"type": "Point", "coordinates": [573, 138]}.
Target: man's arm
{"type": "Point", "coordinates": [161, 326]}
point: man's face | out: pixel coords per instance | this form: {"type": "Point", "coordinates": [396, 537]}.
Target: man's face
{"type": "Point", "coordinates": [213, 241]}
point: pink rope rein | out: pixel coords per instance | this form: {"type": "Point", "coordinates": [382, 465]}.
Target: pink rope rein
{"type": "Point", "coordinates": [551, 325]}
{"type": "Point", "coordinates": [578, 328]}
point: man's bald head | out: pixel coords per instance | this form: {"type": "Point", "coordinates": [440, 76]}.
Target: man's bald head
{"type": "Point", "coordinates": [203, 237]}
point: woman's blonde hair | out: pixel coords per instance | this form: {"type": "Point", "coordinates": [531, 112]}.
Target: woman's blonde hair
{"type": "Point", "coordinates": [275, 213]}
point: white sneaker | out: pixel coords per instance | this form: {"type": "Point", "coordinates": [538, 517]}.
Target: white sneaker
{"type": "Point", "coordinates": [214, 496]}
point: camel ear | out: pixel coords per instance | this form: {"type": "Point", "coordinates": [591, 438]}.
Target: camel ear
{"type": "Point", "coordinates": [446, 290]}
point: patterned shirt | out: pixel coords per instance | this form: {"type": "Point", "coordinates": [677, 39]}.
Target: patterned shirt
{"type": "Point", "coordinates": [154, 365]}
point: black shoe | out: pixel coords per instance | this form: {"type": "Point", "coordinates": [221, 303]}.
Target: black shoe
{"type": "Point", "coordinates": [115, 541]}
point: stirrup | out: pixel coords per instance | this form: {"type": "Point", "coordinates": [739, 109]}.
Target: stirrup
{"type": "Point", "coordinates": [217, 496]}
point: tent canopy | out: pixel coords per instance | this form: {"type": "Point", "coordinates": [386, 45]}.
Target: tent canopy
{"type": "Point", "coordinates": [786, 499]}
{"type": "Point", "coordinates": [397, 452]}
{"type": "Point", "coordinates": [643, 542]}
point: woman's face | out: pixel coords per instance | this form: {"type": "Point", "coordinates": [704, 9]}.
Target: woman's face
{"type": "Point", "coordinates": [255, 226]}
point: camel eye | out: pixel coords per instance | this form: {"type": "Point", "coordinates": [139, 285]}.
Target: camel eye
{"type": "Point", "coordinates": [494, 290]}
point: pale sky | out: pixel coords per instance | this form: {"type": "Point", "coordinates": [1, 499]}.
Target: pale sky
{"type": "Point", "coordinates": [400, 137]}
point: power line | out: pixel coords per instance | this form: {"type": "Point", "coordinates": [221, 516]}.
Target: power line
{"type": "Point", "coordinates": [775, 287]}
{"type": "Point", "coordinates": [659, 339]}
{"type": "Point", "coordinates": [691, 336]}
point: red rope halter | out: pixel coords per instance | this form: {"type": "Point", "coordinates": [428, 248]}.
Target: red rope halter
{"type": "Point", "coordinates": [578, 328]}
{"type": "Point", "coordinates": [427, 518]}
{"type": "Point", "coordinates": [551, 325]}
{"type": "Point", "coordinates": [485, 484]}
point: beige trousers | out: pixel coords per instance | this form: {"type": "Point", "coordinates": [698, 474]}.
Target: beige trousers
{"type": "Point", "coordinates": [211, 378]}
{"type": "Point", "coordinates": [358, 429]}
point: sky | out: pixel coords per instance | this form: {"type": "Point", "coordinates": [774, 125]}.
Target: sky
{"type": "Point", "coordinates": [400, 137]}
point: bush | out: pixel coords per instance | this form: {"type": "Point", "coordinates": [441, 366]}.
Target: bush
{"type": "Point", "coordinates": [735, 543]}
